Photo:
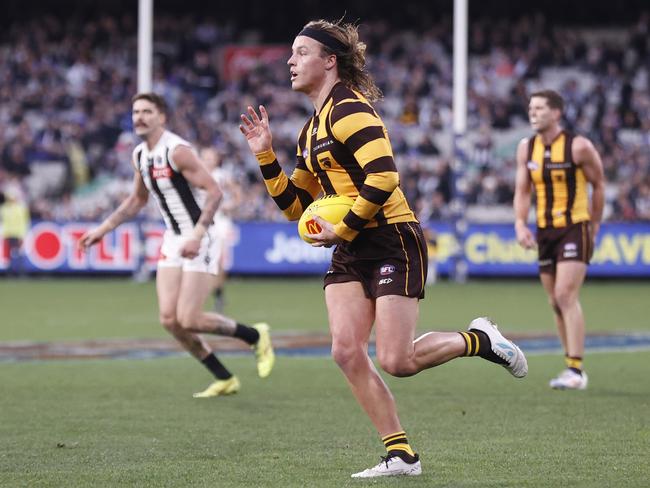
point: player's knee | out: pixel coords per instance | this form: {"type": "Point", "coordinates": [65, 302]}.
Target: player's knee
{"type": "Point", "coordinates": [169, 321]}
{"type": "Point", "coordinates": [395, 365]}
{"type": "Point", "coordinates": [564, 298]}
{"type": "Point", "coordinates": [188, 320]}
{"type": "Point", "coordinates": [346, 355]}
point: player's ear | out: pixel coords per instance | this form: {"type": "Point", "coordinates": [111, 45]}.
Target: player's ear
{"type": "Point", "coordinates": [330, 61]}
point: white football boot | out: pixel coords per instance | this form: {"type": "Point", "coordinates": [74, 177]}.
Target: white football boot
{"type": "Point", "coordinates": [507, 350]}
{"type": "Point", "coordinates": [569, 380]}
{"type": "Point", "coordinates": [391, 465]}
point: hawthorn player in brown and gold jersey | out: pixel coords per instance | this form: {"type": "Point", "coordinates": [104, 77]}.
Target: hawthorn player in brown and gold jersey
{"type": "Point", "coordinates": [378, 269]}
{"type": "Point", "coordinates": [560, 167]}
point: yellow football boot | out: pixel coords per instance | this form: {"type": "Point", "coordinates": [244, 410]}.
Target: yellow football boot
{"type": "Point", "coordinates": [264, 351]}
{"type": "Point", "coordinates": [220, 387]}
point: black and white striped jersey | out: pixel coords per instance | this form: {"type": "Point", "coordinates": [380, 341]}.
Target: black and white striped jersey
{"type": "Point", "coordinates": [179, 202]}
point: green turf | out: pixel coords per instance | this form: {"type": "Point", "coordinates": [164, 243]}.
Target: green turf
{"type": "Point", "coordinates": [134, 423]}
{"type": "Point", "coordinates": [80, 308]}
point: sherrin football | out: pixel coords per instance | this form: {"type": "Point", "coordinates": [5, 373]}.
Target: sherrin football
{"type": "Point", "coordinates": [330, 207]}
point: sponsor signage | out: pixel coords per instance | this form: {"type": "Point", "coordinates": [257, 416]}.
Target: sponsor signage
{"type": "Point", "coordinates": [622, 250]}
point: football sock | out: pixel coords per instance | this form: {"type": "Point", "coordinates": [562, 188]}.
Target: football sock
{"type": "Point", "coordinates": [477, 343]}
{"type": "Point", "coordinates": [246, 334]}
{"type": "Point", "coordinates": [574, 363]}
{"type": "Point", "coordinates": [218, 299]}
{"type": "Point", "coordinates": [398, 445]}
{"type": "Point", "coordinates": [215, 367]}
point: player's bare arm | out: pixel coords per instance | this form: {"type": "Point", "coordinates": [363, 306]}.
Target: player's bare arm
{"type": "Point", "coordinates": [128, 209]}
{"type": "Point", "coordinates": [523, 191]}
{"type": "Point", "coordinates": [584, 153]}
{"type": "Point", "coordinates": [197, 175]}
{"type": "Point", "coordinates": [256, 130]}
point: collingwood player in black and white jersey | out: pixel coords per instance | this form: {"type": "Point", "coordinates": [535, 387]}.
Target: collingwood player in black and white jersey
{"type": "Point", "coordinates": [168, 167]}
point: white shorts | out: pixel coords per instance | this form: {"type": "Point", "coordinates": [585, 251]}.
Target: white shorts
{"type": "Point", "coordinates": [206, 262]}
{"type": "Point", "coordinates": [223, 229]}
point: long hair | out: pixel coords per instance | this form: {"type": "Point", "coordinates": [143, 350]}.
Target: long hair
{"type": "Point", "coordinates": [351, 62]}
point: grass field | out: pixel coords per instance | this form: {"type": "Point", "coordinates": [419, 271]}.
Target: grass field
{"type": "Point", "coordinates": [82, 423]}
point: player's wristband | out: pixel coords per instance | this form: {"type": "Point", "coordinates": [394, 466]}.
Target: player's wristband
{"type": "Point", "coordinates": [265, 157]}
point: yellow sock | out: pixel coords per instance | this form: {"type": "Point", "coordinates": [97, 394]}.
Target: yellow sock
{"type": "Point", "coordinates": [472, 345]}
{"type": "Point", "coordinates": [574, 363]}
{"type": "Point", "coordinates": [397, 442]}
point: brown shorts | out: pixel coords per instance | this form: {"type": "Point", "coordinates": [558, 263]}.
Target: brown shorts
{"type": "Point", "coordinates": [387, 260]}
{"type": "Point", "coordinates": [570, 243]}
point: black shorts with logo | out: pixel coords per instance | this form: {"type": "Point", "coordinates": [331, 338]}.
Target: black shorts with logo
{"type": "Point", "coordinates": [387, 260]}
{"type": "Point", "coordinates": [570, 243]}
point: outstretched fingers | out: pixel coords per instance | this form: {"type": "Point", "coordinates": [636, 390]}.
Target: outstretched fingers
{"type": "Point", "coordinates": [253, 114]}
{"type": "Point", "coordinates": [264, 114]}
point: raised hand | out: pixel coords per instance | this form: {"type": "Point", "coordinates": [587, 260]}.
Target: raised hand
{"type": "Point", "coordinates": [256, 130]}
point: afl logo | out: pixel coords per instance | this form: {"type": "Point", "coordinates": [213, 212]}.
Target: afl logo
{"type": "Point", "coordinates": [386, 269]}
{"type": "Point", "coordinates": [532, 165]}
{"type": "Point", "coordinates": [305, 153]}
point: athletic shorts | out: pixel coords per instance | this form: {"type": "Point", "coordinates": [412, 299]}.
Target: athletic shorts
{"type": "Point", "coordinates": [570, 243]}
{"type": "Point", "coordinates": [206, 262]}
{"type": "Point", "coordinates": [223, 232]}
{"type": "Point", "coordinates": [387, 260]}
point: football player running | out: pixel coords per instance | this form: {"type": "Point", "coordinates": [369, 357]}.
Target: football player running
{"type": "Point", "coordinates": [378, 270]}
{"type": "Point", "coordinates": [168, 167]}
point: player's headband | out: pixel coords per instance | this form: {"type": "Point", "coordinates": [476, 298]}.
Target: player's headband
{"type": "Point", "coordinates": [324, 38]}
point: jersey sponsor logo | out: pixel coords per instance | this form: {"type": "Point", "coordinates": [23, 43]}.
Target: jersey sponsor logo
{"type": "Point", "coordinates": [386, 269]}
{"type": "Point", "coordinates": [385, 281]}
{"type": "Point", "coordinates": [564, 165]}
{"type": "Point", "coordinates": [320, 146]}
{"type": "Point", "coordinates": [159, 173]}
{"type": "Point", "coordinates": [532, 165]}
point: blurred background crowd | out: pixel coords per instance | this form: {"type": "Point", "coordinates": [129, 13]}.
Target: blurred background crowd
{"type": "Point", "coordinates": [66, 86]}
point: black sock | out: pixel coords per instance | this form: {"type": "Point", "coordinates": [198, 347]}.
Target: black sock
{"type": "Point", "coordinates": [477, 343]}
{"type": "Point", "coordinates": [405, 456]}
{"type": "Point", "coordinates": [218, 299]}
{"type": "Point", "coordinates": [215, 367]}
{"type": "Point", "coordinates": [246, 334]}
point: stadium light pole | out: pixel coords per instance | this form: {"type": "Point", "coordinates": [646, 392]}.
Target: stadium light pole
{"type": "Point", "coordinates": [145, 44]}
{"type": "Point", "coordinates": [459, 108]}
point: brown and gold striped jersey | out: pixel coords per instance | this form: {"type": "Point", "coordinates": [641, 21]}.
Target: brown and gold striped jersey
{"type": "Point", "coordinates": [342, 150]}
{"type": "Point", "coordinates": [560, 184]}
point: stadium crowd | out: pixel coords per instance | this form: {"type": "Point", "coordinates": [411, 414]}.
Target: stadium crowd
{"type": "Point", "coordinates": [66, 88]}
